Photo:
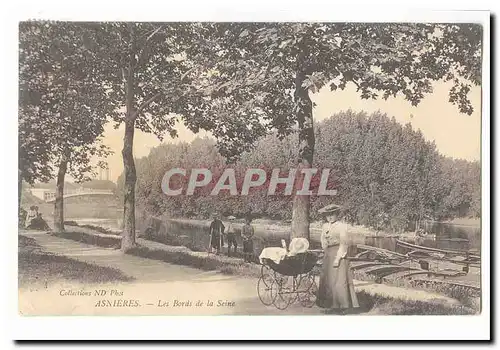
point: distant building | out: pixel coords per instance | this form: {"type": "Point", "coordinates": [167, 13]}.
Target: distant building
{"type": "Point", "coordinates": [103, 174]}
{"type": "Point", "coordinates": [44, 194]}
{"type": "Point", "coordinates": [47, 194]}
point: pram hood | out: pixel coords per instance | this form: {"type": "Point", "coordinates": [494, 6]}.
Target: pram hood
{"type": "Point", "coordinates": [298, 246]}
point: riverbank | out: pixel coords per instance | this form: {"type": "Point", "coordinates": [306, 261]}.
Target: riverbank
{"type": "Point", "coordinates": [277, 229]}
{"type": "Point", "coordinates": [270, 232]}
{"type": "Point", "coordinates": [155, 284]}
{"type": "Point", "coordinates": [232, 267]}
{"type": "Point", "coordinates": [189, 232]}
{"type": "Point", "coordinates": [465, 287]}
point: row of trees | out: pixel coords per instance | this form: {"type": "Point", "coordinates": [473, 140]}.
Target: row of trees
{"type": "Point", "coordinates": [386, 174]}
{"type": "Point", "coordinates": [237, 80]}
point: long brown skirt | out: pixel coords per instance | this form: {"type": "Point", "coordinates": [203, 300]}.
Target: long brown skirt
{"type": "Point", "coordinates": [336, 287]}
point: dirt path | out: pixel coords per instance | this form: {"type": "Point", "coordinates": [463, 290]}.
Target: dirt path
{"type": "Point", "coordinates": [158, 283]}
{"type": "Point", "coordinates": [155, 283]}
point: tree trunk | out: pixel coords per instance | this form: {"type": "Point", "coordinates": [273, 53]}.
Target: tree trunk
{"type": "Point", "coordinates": [301, 203]}
{"type": "Point", "coordinates": [59, 203]}
{"type": "Point", "coordinates": [128, 237]}
{"type": "Point", "coordinates": [19, 193]}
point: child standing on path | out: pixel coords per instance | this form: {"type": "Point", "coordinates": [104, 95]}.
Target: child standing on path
{"type": "Point", "coordinates": [231, 236]}
{"type": "Point", "coordinates": [247, 233]}
{"type": "Point", "coordinates": [216, 231]}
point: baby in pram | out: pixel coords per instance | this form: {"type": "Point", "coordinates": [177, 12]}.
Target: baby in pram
{"type": "Point", "coordinates": [288, 261]}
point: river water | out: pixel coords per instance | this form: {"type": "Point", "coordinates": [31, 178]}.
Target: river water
{"type": "Point", "coordinates": [447, 236]}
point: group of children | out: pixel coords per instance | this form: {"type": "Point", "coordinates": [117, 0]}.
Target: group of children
{"type": "Point", "coordinates": [218, 231]}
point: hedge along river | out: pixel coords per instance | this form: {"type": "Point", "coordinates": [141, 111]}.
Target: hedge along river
{"type": "Point", "coordinates": [193, 233]}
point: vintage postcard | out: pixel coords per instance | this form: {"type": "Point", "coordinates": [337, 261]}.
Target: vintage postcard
{"type": "Point", "coordinates": [251, 168]}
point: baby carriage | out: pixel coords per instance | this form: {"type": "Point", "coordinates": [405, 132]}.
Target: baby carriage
{"type": "Point", "coordinates": [288, 279]}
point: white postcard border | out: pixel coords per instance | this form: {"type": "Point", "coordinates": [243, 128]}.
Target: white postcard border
{"type": "Point", "coordinates": [239, 327]}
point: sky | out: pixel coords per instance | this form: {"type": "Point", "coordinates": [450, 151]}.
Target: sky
{"type": "Point", "coordinates": [456, 135]}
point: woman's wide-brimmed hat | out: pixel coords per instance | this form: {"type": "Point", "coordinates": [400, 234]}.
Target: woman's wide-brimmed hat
{"type": "Point", "coordinates": [330, 209]}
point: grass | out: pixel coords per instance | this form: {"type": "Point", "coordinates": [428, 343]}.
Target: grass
{"type": "Point", "coordinates": [87, 238]}
{"type": "Point", "coordinates": [176, 241]}
{"type": "Point", "coordinates": [39, 267]}
{"type": "Point", "coordinates": [469, 297]}
{"type": "Point", "coordinates": [70, 223]}
{"type": "Point", "coordinates": [173, 255]}
{"type": "Point", "coordinates": [92, 227]}
{"type": "Point", "coordinates": [99, 229]}
{"type": "Point", "coordinates": [200, 261]}
{"type": "Point", "coordinates": [381, 305]}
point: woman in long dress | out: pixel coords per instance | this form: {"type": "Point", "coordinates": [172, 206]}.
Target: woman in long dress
{"type": "Point", "coordinates": [336, 287]}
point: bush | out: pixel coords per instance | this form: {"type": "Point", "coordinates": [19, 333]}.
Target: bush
{"type": "Point", "coordinates": [105, 241]}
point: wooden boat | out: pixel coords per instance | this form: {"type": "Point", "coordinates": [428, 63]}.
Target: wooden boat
{"type": "Point", "coordinates": [380, 252]}
{"type": "Point", "coordinates": [382, 263]}
{"type": "Point", "coordinates": [436, 250]}
{"type": "Point", "coordinates": [454, 256]}
{"type": "Point", "coordinates": [453, 239]}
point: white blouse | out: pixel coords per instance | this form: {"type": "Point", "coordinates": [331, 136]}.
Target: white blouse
{"type": "Point", "coordinates": [333, 234]}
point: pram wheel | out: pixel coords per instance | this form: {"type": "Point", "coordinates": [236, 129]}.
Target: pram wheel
{"type": "Point", "coordinates": [307, 290]}
{"type": "Point", "coordinates": [283, 291]}
{"type": "Point", "coordinates": [283, 283]}
{"type": "Point", "coordinates": [264, 286]}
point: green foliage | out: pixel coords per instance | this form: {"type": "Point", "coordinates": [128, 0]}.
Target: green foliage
{"type": "Point", "coordinates": [142, 53]}
{"type": "Point", "coordinates": [266, 71]}
{"type": "Point", "coordinates": [63, 104]}
{"type": "Point", "coordinates": [386, 174]}
{"type": "Point", "coordinates": [164, 64]}
{"type": "Point", "coordinates": [259, 66]}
